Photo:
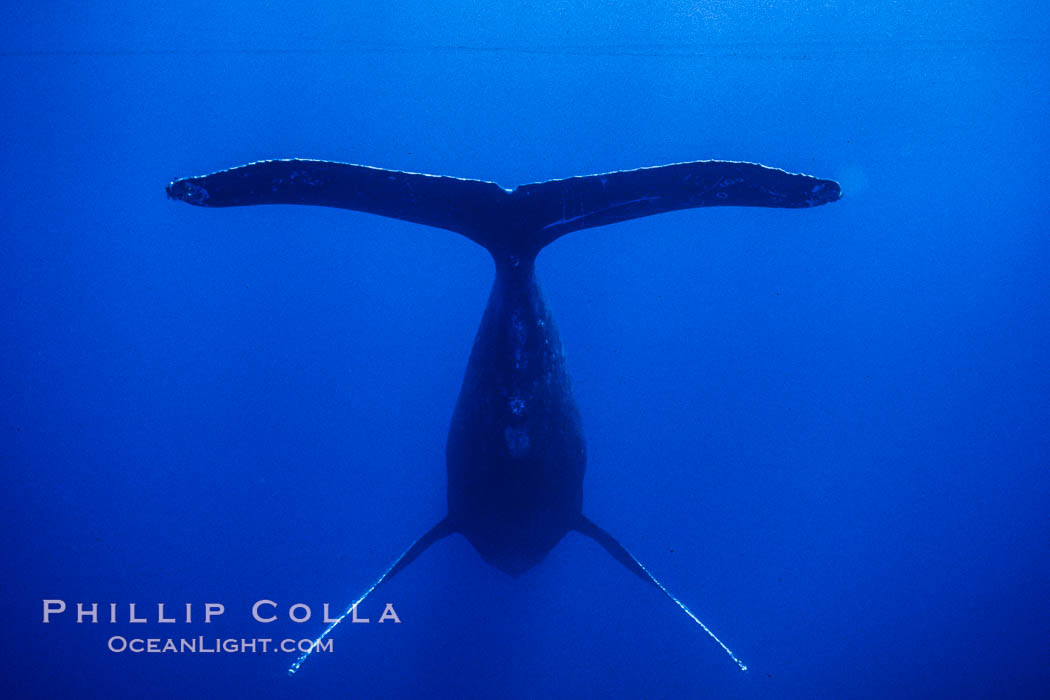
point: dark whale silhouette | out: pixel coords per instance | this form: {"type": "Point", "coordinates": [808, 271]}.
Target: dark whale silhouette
{"type": "Point", "coordinates": [515, 453]}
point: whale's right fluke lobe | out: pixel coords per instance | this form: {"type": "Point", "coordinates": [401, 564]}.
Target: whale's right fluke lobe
{"type": "Point", "coordinates": [558, 207]}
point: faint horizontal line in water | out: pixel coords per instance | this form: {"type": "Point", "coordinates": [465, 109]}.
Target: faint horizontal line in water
{"type": "Point", "coordinates": [793, 50]}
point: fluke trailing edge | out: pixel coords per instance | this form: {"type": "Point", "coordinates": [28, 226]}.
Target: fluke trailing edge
{"type": "Point", "coordinates": [515, 453]}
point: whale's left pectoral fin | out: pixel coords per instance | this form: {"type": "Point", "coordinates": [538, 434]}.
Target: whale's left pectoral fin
{"type": "Point", "coordinates": [620, 554]}
{"type": "Point", "coordinates": [442, 529]}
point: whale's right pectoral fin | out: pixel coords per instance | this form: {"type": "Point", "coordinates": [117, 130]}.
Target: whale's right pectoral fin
{"type": "Point", "coordinates": [620, 554]}
{"type": "Point", "coordinates": [442, 529]}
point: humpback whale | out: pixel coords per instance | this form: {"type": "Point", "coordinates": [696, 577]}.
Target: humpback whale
{"type": "Point", "coordinates": [515, 454]}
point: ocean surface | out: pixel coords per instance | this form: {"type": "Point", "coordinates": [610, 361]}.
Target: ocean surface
{"type": "Point", "coordinates": [825, 430]}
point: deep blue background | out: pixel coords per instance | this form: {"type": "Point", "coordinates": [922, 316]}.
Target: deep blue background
{"type": "Point", "coordinates": [826, 430]}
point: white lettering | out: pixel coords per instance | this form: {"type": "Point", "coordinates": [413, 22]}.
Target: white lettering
{"type": "Point", "coordinates": [53, 606]}
{"type": "Point", "coordinates": [82, 613]}
{"type": "Point", "coordinates": [291, 612]}
{"type": "Point", "coordinates": [258, 604]}
{"type": "Point", "coordinates": [160, 614]}
{"type": "Point", "coordinates": [131, 616]}
{"type": "Point", "coordinates": [389, 614]}
{"type": "Point", "coordinates": [213, 610]}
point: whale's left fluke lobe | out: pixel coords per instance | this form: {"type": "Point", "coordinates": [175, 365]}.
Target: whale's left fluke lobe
{"type": "Point", "coordinates": [467, 207]}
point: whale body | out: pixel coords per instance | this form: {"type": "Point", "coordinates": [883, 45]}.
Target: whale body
{"type": "Point", "coordinates": [515, 454]}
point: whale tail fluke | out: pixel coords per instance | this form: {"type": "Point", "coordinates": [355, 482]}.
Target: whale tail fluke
{"type": "Point", "coordinates": [520, 221]}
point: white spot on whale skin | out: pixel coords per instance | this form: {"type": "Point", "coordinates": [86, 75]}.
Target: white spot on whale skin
{"type": "Point", "coordinates": [520, 331]}
{"type": "Point", "coordinates": [614, 205]}
{"type": "Point", "coordinates": [194, 193]}
{"type": "Point", "coordinates": [519, 335]}
{"type": "Point", "coordinates": [517, 441]}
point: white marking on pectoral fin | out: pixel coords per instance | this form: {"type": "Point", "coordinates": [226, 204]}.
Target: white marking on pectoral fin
{"type": "Point", "coordinates": [620, 553]}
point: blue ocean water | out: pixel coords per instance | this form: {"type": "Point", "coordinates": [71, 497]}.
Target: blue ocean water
{"type": "Point", "coordinates": [825, 430]}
